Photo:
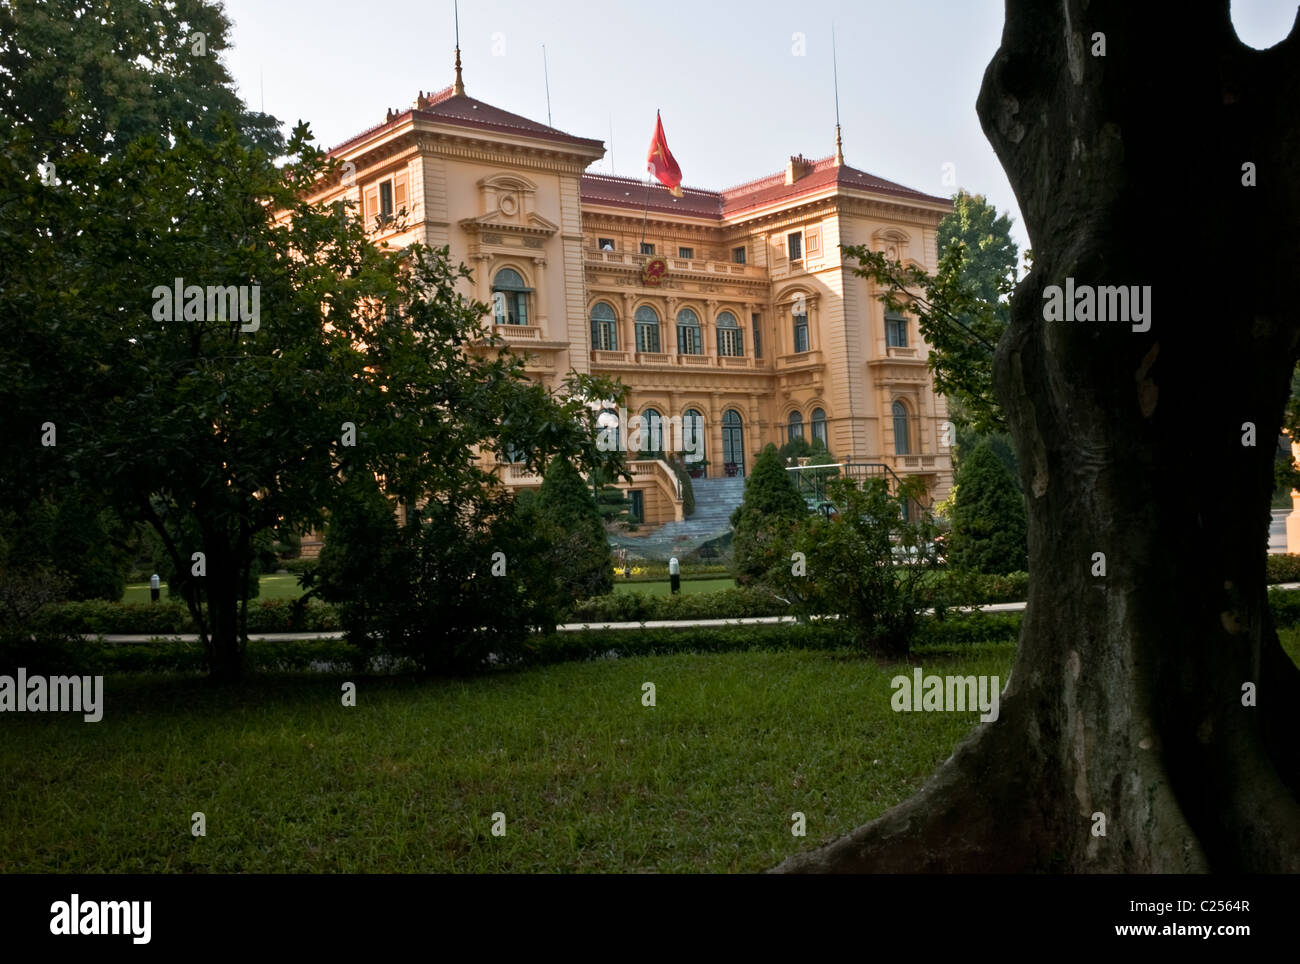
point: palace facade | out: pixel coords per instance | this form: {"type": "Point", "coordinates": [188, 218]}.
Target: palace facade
{"type": "Point", "coordinates": [733, 310]}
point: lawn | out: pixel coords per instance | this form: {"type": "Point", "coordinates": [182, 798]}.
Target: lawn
{"type": "Point", "coordinates": [689, 586]}
{"type": "Point", "coordinates": [588, 778]}
{"type": "Point", "coordinates": [272, 587]}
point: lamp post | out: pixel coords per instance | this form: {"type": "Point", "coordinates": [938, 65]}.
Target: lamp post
{"type": "Point", "coordinates": [674, 575]}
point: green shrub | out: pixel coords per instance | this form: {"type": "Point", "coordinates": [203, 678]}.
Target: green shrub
{"type": "Point", "coordinates": [1284, 604]}
{"type": "Point", "coordinates": [765, 518]}
{"type": "Point", "coordinates": [870, 563]}
{"type": "Point", "coordinates": [171, 617]}
{"type": "Point", "coordinates": [300, 565]}
{"type": "Point", "coordinates": [1282, 567]}
{"type": "Point", "coordinates": [570, 519]}
{"type": "Point", "coordinates": [739, 603]}
{"type": "Point", "coordinates": [989, 529]}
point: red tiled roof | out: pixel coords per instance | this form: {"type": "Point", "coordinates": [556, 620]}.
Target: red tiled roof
{"type": "Point", "coordinates": [462, 111]}
{"type": "Point", "coordinates": [628, 192]}
{"type": "Point", "coordinates": [824, 173]}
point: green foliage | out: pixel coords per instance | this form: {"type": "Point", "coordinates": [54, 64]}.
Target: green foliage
{"type": "Point", "coordinates": [962, 309]}
{"type": "Point", "coordinates": [86, 544]}
{"type": "Point", "coordinates": [87, 76]}
{"type": "Point", "coordinates": [452, 584]}
{"type": "Point", "coordinates": [867, 562]}
{"type": "Point", "coordinates": [765, 517]}
{"type": "Point", "coordinates": [571, 524]}
{"type": "Point", "coordinates": [629, 607]}
{"type": "Point", "coordinates": [800, 448]}
{"type": "Point", "coordinates": [1286, 474]}
{"type": "Point", "coordinates": [170, 617]}
{"type": "Point", "coordinates": [988, 524]}
{"type": "Point", "coordinates": [1282, 567]}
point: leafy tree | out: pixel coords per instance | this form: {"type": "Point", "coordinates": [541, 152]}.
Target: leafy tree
{"type": "Point", "coordinates": [961, 309]}
{"type": "Point", "coordinates": [868, 562]}
{"type": "Point", "coordinates": [451, 587]}
{"type": "Point", "coordinates": [988, 520]}
{"type": "Point", "coordinates": [765, 517]}
{"type": "Point", "coordinates": [215, 430]}
{"type": "Point", "coordinates": [579, 549]}
{"type": "Point", "coordinates": [91, 76]}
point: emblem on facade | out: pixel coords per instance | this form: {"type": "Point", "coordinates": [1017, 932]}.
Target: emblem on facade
{"type": "Point", "coordinates": [653, 272]}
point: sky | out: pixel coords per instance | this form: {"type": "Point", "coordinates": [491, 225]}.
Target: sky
{"type": "Point", "coordinates": [741, 84]}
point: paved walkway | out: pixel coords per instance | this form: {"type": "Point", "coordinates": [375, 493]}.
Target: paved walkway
{"type": "Point", "coordinates": [1011, 607]}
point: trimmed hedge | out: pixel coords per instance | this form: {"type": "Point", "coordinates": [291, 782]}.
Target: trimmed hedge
{"type": "Point", "coordinates": [170, 617]}
{"type": "Point", "coordinates": [638, 607]}
{"type": "Point", "coordinates": [1282, 567]}
{"type": "Point", "coordinates": [58, 655]}
{"type": "Point", "coordinates": [299, 565]}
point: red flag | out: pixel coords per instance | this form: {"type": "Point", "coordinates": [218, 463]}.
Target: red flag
{"type": "Point", "coordinates": [661, 164]}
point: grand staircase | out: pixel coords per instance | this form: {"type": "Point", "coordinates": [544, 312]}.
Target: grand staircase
{"type": "Point", "coordinates": [715, 500]}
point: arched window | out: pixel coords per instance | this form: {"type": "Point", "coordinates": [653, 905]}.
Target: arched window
{"type": "Point", "coordinates": [689, 339]}
{"type": "Point", "coordinates": [794, 429]}
{"type": "Point", "coordinates": [692, 436]}
{"type": "Point", "coordinates": [902, 443]}
{"type": "Point", "coordinates": [801, 342]}
{"type": "Point", "coordinates": [733, 443]}
{"type": "Point", "coordinates": [731, 340]}
{"type": "Point", "coordinates": [647, 329]}
{"type": "Point", "coordinates": [604, 327]}
{"type": "Point", "coordinates": [510, 298]}
{"type": "Point", "coordinates": [819, 427]}
{"type": "Point", "coordinates": [652, 434]}
{"type": "Point", "coordinates": [895, 329]}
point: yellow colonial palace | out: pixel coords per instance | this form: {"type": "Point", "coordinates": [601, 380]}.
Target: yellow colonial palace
{"type": "Point", "coordinates": [732, 310]}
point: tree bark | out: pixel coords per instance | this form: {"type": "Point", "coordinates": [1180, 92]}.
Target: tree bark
{"type": "Point", "coordinates": [1126, 696]}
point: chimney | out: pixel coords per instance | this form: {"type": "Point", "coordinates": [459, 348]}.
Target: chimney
{"type": "Point", "coordinates": [798, 167]}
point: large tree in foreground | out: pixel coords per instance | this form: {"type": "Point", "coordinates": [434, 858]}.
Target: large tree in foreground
{"type": "Point", "coordinates": [1149, 691]}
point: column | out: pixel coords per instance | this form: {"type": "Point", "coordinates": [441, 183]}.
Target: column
{"type": "Point", "coordinates": [539, 299]}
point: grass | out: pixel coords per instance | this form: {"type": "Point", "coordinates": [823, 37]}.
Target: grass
{"type": "Point", "coordinates": [272, 587]}
{"type": "Point", "coordinates": [589, 779]}
{"type": "Point", "coordinates": [689, 586]}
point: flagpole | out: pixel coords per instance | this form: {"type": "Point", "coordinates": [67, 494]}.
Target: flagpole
{"type": "Point", "coordinates": [646, 213]}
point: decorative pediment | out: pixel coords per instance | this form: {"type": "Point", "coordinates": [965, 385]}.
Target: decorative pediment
{"type": "Point", "coordinates": [498, 221]}
{"type": "Point", "coordinates": [508, 202]}
{"type": "Point", "coordinates": [893, 243]}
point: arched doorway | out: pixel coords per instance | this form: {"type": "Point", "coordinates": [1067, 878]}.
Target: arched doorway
{"type": "Point", "coordinates": [733, 443]}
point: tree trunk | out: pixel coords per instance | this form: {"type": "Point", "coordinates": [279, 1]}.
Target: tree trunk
{"type": "Point", "coordinates": [1126, 697]}
{"type": "Point", "coordinates": [223, 587]}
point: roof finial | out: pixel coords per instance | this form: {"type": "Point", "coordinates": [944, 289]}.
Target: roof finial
{"type": "Point", "coordinates": [835, 68]}
{"type": "Point", "coordinates": [459, 88]}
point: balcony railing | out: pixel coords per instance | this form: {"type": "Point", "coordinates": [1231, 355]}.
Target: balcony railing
{"type": "Point", "coordinates": [515, 332]}
{"type": "Point", "coordinates": [802, 359]}
{"type": "Point", "coordinates": [689, 265]}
